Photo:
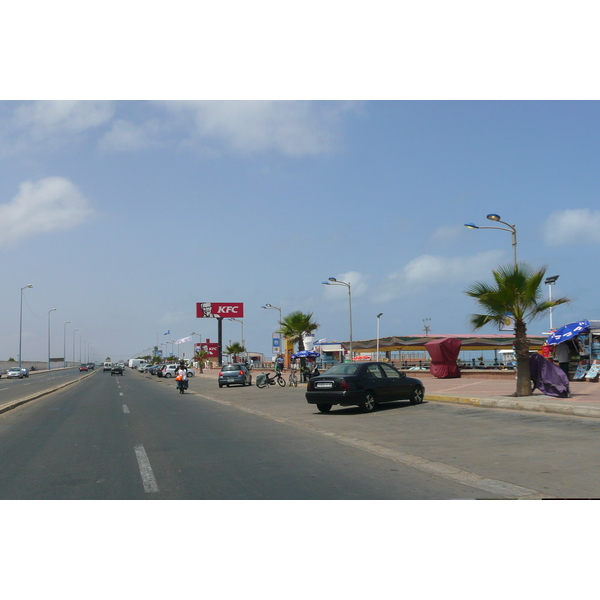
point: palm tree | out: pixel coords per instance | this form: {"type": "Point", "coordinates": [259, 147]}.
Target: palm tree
{"type": "Point", "coordinates": [235, 349]}
{"type": "Point", "coordinates": [200, 357]}
{"type": "Point", "coordinates": [296, 326]}
{"type": "Point", "coordinates": [517, 293]}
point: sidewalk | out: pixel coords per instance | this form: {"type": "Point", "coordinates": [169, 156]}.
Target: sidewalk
{"type": "Point", "coordinates": [494, 393]}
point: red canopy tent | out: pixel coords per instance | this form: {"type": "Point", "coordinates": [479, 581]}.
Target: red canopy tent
{"type": "Point", "coordinates": [444, 353]}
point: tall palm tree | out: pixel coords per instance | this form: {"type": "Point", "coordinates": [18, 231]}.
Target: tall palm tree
{"type": "Point", "coordinates": [517, 293]}
{"type": "Point", "coordinates": [296, 326]}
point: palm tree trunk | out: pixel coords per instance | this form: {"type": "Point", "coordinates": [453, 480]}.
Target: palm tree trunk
{"type": "Point", "coordinates": [522, 352]}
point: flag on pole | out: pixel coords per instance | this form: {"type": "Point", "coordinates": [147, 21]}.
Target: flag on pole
{"type": "Point", "coordinates": [184, 340]}
{"type": "Point", "coordinates": [168, 332]}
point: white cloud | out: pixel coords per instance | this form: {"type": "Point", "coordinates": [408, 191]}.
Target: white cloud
{"type": "Point", "coordinates": [43, 118]}
{"type": "Point", "coordinates": [572, 226]}
{"type": "Point", "coordinates": [51, 204]}
{"type": "Point", "coordinates": [125, 136]}
{"type": "Point", "coordinates": [291, 128]}
{"type": "Point", "coordinates": [447, 233]}
{"type": "Point", "coordinates": [426, 271]}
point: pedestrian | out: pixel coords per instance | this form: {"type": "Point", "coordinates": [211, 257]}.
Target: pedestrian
{"type": "Point", "coordinates": [562, 356]}
{"type": "Point", "coordinates": [279, 363]}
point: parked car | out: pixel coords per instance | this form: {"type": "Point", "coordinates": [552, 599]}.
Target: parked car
{"type": "Point", "coordinates": [364, 384]}
{"type": "Point", "coordinates": [152, 370]}
{"type": "Point", "coordinates": [159, 370]}
{"type": "Point", "coordinates": [14, 372]}
{"type": "Point", "coordinates": [83, 368]}
{"type": "Point", "coordinates": [171, 371]}
{"type": "Point", "coordinates": [234, 373]}
{"type": "Point", "coordinates": [116, 370]}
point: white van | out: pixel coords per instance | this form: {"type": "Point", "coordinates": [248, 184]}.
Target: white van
{"type": "Point", "coordinates": [107, 366]}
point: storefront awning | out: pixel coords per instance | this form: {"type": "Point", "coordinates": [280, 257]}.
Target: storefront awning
{"type": "Point", "coordinates": [469, 342]}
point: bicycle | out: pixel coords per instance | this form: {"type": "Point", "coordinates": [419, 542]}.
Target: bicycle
{"type": "Point", "coordinates": [293, 379]}
{"type": "Point", "coordinates": [264, 380]}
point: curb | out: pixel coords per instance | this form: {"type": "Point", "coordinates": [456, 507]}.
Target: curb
{"type": "Point", "coordinates": [15, 403]}
{"type": "Point", "coordinates": [520, 404]}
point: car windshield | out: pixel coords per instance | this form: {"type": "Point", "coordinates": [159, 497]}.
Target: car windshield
{"type": "Point", "coordinates": [231, 368]}
{"type": "Point", "coordinates": [15, 369]}
{"type": "Point", "coordinates": [343, 369]}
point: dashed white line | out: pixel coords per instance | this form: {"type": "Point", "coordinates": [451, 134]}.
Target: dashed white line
{"type": "Point", "coordinates": [120, 393]}
{"type": "Point", "coordinates": [125, 409]}
{"type": "Point", "coordinates": [148, 479]}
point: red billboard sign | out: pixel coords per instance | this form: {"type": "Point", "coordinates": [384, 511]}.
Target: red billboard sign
{"type": "Point", "coordinates": [219, 310]}
{"type": "Point", "coordinates": [211, 348]}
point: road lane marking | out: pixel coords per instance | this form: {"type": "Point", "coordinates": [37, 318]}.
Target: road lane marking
{"type": "Point", "coordinates": [148, 479]}
{"type": "Point", "coordinates": [125, 409]}
{"type": "Point", "coordinates": [120, 393]}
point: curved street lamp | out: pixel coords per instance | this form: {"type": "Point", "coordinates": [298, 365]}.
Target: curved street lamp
{"type": "Point", "coordinates": [21, 322]}
{"type": "Point", "coordinates": [511, 228]}
{"type": "Point", "coordinates": [334, 281]}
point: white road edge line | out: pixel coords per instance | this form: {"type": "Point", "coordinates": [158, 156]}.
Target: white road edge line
{"type": "Point", "coordinates": [125, 409]}
{"type": "Point", "coordinates": [148, 479]}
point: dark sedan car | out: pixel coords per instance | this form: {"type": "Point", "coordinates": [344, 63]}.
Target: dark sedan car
{"type": "Point", "coordinates": [363, 384]}
{"type": "Point", "coordinates": [116, 370]}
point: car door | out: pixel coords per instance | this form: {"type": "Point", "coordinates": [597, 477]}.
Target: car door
{"type": "Point", "coordinates": [400, 388]}
{"type": "Point", "coordinates": [377, 381]}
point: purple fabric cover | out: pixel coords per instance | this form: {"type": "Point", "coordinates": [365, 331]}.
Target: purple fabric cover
{"type": "Point", "coordinates": [548, 377]}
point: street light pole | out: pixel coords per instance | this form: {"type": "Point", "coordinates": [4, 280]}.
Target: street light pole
{"type": "Point", "coordinates": [242, 322]}
{"type": "Point", "coordinates": [550, 281]}
{"type": "Point", "coordinates": [334, 281]}
{"type": "Point", "coordinates": [65, 346]}
{"type": "Point", "coordinates": [511, 228]}
{"type": "Point", "coordinates": [21, 321]}
{"type": "Point", "coordinates": [378, 318]}
{"type": "Point", "coordinates": [74, 330]}
{"type": "Point", "coordinates": [52, 309]}
{"type": "Point", "coordinates": [280, 320]}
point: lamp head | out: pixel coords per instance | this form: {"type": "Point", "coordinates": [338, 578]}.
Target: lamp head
{"type": "Point", "coordinates": [493, 217]}
{"type": "Point", "coordinates": [332, 279]}
{"type": "Point", "coordinates": [471, 226]}
{"type": "Point", "coordinates": [551, 280]}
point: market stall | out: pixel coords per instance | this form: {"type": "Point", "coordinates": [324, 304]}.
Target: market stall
{"type": "Point", "coordinates": [577, 349]}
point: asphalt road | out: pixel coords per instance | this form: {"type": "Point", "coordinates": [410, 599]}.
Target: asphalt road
{"type": "Point", "coordinates": [135, 437]}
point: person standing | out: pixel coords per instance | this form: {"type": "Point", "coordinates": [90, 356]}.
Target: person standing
{"type": "Point", "coordinates": [562, 356]}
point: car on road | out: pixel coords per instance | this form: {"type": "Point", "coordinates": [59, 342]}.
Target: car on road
{"type": "Point", "coordinates": [83, 368]}
{"type": "Point", "coordinates": [116, 370]}
{"type": "Point", "coordinates": [364, 384]}
{"type": "Point", "coordinates": [91, 366]}
{"type": "Point", "coordinates": [25, 372]}
{"type": "Point", "coordinates": [234, 373]}
{"type": "Point", "coordinates": [107, 366]}
{"type": "Point", "coordinates": [14, 372]}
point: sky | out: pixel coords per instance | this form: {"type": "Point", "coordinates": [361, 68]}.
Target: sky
{"type": "Point", "coordinates": [123, 214]}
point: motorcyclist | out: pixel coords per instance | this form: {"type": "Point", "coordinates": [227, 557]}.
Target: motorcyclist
{"type": "Point", "coordinates": [182, 371]}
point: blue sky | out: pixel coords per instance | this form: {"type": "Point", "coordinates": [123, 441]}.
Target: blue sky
{"type": "Point", "coordinates": [124, 214]}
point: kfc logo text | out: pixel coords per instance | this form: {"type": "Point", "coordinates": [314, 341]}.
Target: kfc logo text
{"type": "Point", "coordinates": [219, 309]}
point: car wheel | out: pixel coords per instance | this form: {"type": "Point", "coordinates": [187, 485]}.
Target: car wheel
{"type": "Point", "coordinates": [190, 374]}
{"type": "Point", "coordinates": [220, 385]}
{"type": "Point", "coordinates": [324, 407]}
{"type": "Point", "coordinates": [417, 396]}
{"type": "Point", "coordinates": [369, 403]}
{"type": "Point", "coordinates": [167, 375]}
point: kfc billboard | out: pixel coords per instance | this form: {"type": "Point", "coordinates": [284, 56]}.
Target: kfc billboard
{"type": "Point", "coordinates": [211, 348]}
{"type": "Point", "coordinates": [219, 310]}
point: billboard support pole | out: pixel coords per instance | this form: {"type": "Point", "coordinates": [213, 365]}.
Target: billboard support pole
{"type": "Point", "coordinates": [220, 339]}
